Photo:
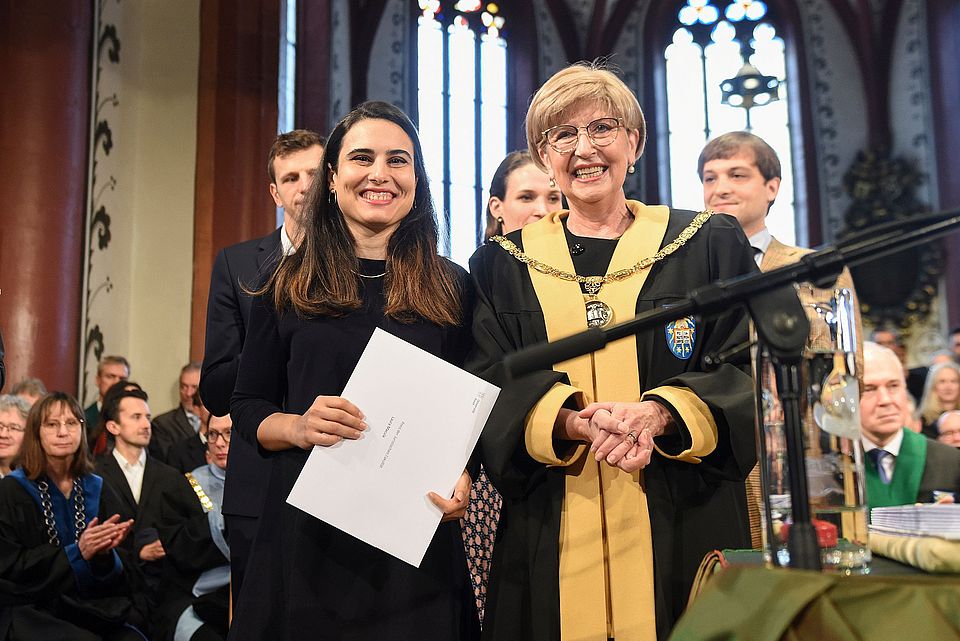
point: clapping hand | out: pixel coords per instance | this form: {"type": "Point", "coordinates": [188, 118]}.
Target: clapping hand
{"type": "Point", "coordinates": [625, 432]}
{"type": "Point", "coordinates": [100, 538]}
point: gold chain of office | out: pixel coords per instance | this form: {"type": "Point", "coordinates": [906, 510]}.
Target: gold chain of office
{"type": "Point", "coordinates": [593, 283]}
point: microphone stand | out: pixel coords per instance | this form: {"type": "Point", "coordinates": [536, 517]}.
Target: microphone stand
{"type": "Point", "coordinates": [781, 323]}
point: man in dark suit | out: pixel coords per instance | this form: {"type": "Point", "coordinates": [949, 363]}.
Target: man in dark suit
{"type": "Point", "coordinates": [110, 370]}
{"type": "Point", "coordinates": [293, 160]}
{"type": "Point", "coordinates": [183, 420]}
{"type": "Point", "coordinates": [134, 486]}
{"type": "Point", "coordinates": [902, 467]}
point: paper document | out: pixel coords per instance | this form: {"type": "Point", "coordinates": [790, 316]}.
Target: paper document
{"type": "Point", "coordinates": [425, 416]}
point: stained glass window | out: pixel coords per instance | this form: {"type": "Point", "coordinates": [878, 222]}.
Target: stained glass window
{"type": "Point", "coordinates": [712, 39]}
{"type": "Point", "coordinates": [462, 106]}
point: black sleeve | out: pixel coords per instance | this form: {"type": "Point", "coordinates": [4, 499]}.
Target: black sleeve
{"type": "Point", "coordinates": [261, 380]}
{"type": "Point", "coordinates": [224, 339]}
{"type": "Point", "coordinates": [30, 568]}
{"type": "Point", "coordinates": [185, 531]}
{"type": "Point", "coordinates": [502, 449]}
{"type": "Point", "coordinates": [727, 390]}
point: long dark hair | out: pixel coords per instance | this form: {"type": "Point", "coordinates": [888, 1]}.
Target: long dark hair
{"type": "Point", "coordinates": [319, 278]}
{"type": "Point", "coordinates": [32, 459]}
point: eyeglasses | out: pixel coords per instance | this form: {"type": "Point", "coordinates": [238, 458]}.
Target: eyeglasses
{"type": "Point", "coordinates": [54, 426]}
{"type": "Point", "coordinates": [212, 436]}
{"type": "Point", "coordinates": [601, 132]}
{"type": "Point", "coordinates": [12, 428]}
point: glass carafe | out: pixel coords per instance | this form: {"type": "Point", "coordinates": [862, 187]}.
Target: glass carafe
{"type": "Point", "coordinates": [830, 412]}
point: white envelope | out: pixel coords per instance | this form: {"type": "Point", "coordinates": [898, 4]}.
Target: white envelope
{"type": "Point", "coordinates": [425, 416]}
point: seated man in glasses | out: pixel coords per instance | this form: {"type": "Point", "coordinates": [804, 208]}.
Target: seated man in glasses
{"type": "Point", "coordinates": [198, 569]}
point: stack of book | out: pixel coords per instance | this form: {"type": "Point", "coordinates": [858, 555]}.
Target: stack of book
{"type": "Point", "coordinates": [937, 520]}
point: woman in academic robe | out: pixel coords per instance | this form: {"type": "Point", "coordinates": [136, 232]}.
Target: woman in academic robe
{"type": "Point", "coordinates": [60, 576]}
{"type": "Point", "coordinates": [519, 194]}
{"type": "Point", "coordinates": [619, 469]}
{"type": "Point", "coordinates": [368, 260]}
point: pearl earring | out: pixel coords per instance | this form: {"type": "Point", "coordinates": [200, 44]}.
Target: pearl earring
{"type": "Point", "coordinates": [631, 169]}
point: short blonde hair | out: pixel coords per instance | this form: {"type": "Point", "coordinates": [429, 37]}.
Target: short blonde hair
{"type": "Point", "coordinates": [570, 88]}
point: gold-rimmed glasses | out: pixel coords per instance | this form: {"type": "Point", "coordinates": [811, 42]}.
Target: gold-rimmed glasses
{"type": "Point", "coordinates": [564, 138]}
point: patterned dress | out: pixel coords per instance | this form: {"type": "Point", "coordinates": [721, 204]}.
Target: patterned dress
{"type": "Point", "coordinates": [479, 531]}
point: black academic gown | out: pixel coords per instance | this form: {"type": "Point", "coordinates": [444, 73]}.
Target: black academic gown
{"type": "Point", "coordinates": [185, 532]}
{"type": "Point", "coordinates": [159, 480]}
{"type": "Point", "coordinates": [303, 574]}
{"type": "Point", "coordinates": [693, 508]}
{"type": "Point", "coordinates": [187, 454]}
{"type": "Point", "coordinates": [41, 596]}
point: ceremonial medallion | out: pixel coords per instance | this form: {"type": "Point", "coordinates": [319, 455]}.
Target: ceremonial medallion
{"type": "Point", "coordinates": [599, 313]}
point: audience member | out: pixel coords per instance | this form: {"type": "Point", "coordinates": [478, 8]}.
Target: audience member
{"type": "Point", "coordinates": [902, 467]}
{"type": "Point", "coordinates": [183, 420]}
{"type": "Point", "coordinates": [198, 571]}
{"type": "Point", "coordinates": [110, 370]}
{"type": "Point", "coordinates": [892, 339]}
{"type": "Point", "coordinates": [948, 429]}
{"type": "Point", "coordinates": [953, 341]}
{"type": "Point", "coordinates": [911, 420]}
{"type": "Point", "coordinates": [60, 576]}
{"type": "Point", "coordinates": [293, 160]}
{"type": "Point", "coordinates": [30, 389]}
{"type": "Point", "coordinates": [135, 485]}
{"type": "Point", "coordinates": [13, 421]}
{"type": "Point", "coordinates": [190, 453]}
{"type": "Point", "coordinates": [941, 393]}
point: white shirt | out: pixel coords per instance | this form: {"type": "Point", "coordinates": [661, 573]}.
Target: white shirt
{"type": "Point", "coordinates": [133, 472]}
{"type": "Point", "coordinates": [888, 462]}
{"type": "Point", "coordinates": [760, 243]}
{"type": "Point", "coordinates": [285, 241]}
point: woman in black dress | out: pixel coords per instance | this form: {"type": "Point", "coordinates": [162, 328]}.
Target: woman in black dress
{"type": "Point", "coordinates": [60, 576]}
{"type": "Point", "coordinates": [368, 260]}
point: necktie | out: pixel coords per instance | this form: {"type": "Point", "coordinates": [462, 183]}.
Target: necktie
{"type": "Point", "coordinates": [879, 456]}
{"type": "Point", "coordinates": [757, 255]}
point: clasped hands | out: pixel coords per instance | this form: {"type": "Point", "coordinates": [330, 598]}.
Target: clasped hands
{"type": "Point", "coordinates": [330, 419]}
{"type": "Point", "coordinates": [622, 433]}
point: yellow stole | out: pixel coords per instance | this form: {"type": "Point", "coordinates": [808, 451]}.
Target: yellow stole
{"type": "Point", "coordinates": [606, 548]}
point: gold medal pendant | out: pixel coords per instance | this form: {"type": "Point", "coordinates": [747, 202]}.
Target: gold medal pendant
{"type": "Point", "coordinates": [599, 314]}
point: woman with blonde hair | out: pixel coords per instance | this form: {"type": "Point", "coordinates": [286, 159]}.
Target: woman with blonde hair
{"type": "Point", "coordinates": [941, 393]}
{"type": "Point", "coordinates": [619, 469]}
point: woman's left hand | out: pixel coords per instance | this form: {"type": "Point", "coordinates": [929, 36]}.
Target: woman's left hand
{"type": "Point", "coordinates": [626, 431]}
{"type": "Point", "coordinates": [456, 507]}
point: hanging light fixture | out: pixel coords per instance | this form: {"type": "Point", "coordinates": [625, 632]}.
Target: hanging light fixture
{"type": "Point", "coordinates": [749, 88]}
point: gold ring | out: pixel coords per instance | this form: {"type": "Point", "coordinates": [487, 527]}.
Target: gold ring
{"type": "Point", "coordinates": [632, 436]}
